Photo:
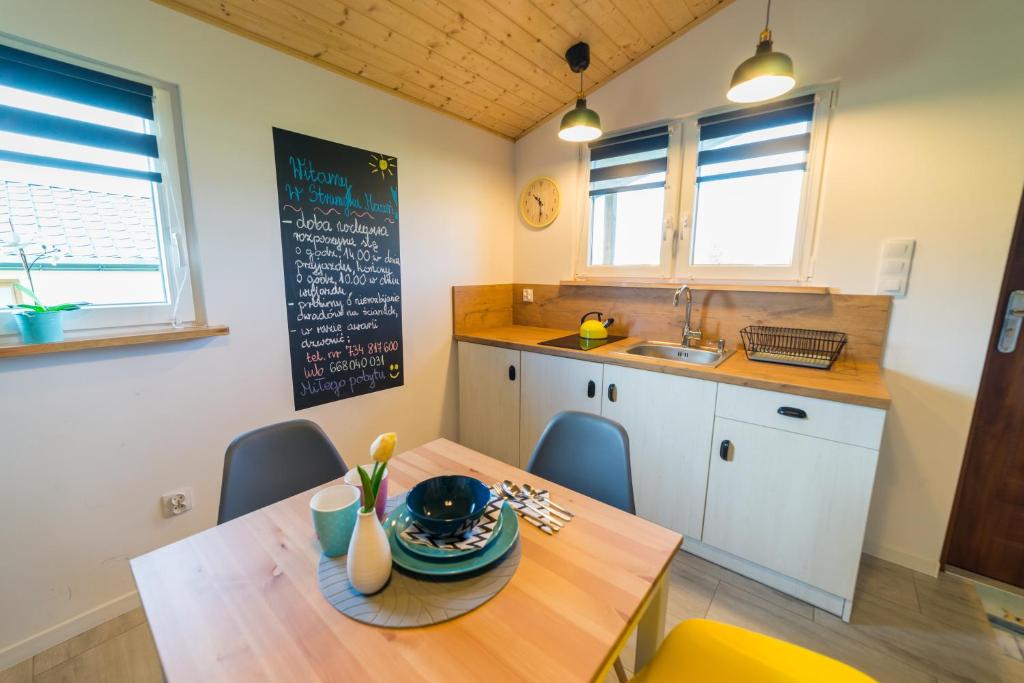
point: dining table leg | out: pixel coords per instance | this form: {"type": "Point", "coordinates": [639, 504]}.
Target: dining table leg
{"type": "Point", "coordinates": [651, 629]}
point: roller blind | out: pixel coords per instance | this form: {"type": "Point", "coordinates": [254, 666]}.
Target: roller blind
{"type": "Point", "coordinates": [126, 145]}
{"type": "Point", "coordinates": [629, 162]}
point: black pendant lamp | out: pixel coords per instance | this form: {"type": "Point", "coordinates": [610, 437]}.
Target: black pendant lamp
{"type": "Point", "coordinates": [580, 124]}
{"type": "Point", "coordinates": [766, 75]}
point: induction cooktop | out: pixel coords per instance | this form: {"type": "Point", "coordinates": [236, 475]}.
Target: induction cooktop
{"type": "Point", "coordinates": [574, 341]}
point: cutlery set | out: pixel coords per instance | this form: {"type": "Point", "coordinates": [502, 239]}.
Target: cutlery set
{"type": "Point", "coordinates": [534, 506]}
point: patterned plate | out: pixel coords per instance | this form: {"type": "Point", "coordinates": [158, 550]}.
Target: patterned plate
{"type": "Point", "coordinates": [495, 550]}
{"type": "Point", "coordinates": [476, 540]}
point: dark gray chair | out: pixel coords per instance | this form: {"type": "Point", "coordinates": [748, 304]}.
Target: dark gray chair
{"type": "Point", "coordinates": [275, 462]}
{"type": "Point", "coordinates": [586, 453]}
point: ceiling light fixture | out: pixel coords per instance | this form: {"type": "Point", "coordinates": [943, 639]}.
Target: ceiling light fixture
{"type": "Point", "coordinates": [580, 124]}
{"type": "Point", "coordinates": [766, 75]}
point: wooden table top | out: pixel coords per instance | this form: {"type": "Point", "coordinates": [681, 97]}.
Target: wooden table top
{"type": "Point", "coordinates": [240, 601]}
{"type": "Point", "coordinates": [849, 380]}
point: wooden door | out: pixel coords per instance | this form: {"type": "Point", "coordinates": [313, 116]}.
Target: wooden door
{"type": "Point", "coordinates": [489, 401]}
{"type": "Point", "coordinates": [669, 421]}
{"type": "Point", "coordinates": [550, 385]}
{"type": "Point", "coordinates": [986, 531]}
{"type": "Point", "coordinates": [792, 503]}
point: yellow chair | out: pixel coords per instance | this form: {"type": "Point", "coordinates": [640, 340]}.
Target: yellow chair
{"type": "Point", "coordinates": [710, 652]}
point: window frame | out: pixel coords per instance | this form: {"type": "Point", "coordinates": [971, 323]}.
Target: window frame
{"type": "Point", "coordinates": [677, 228]}
{"type": "Point", "coordinates": [173, 216]}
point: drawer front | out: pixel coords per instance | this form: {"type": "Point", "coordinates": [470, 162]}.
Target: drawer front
{"type": "Point", "coordinates": [842, 422]}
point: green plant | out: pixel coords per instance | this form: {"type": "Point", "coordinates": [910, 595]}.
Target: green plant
{"type": "Point", "coordinates": [27, 265]}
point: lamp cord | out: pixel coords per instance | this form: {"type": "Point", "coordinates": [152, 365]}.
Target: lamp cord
{"type": "Point", "coordinates": [768, 15]}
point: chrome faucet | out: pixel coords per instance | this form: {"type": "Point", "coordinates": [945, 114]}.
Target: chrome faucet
{"type": "Point", "coordinates": [688, 334]}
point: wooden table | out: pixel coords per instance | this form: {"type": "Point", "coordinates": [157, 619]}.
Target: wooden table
{"type": "Point", "coordinates": [240, 602]}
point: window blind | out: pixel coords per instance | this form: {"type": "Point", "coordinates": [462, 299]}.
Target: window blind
{"type": "Point", "coordinates": [629, 162]}
{"type": "Point", "coordinates": [38, 75]}
{"type": "Point", "coordinates": [772, 138]}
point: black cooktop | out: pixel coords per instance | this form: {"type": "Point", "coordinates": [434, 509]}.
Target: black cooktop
{"type": "Point", "coordinates": [574, 341]}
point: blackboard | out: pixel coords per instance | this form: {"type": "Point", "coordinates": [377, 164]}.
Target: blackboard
{"type": "Point", "coordinates": [342, 268]}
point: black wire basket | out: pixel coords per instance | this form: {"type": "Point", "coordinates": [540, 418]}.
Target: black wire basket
{"type": "Point", "coordinates": [793, 346]}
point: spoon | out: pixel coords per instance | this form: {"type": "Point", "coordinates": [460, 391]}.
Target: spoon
{"type": "Point", "coordinates": [521, 493]}
{"type": "Point", "coordinates": [513, 491]}
{"type": "Point", "coordinates": [529, 518]}
{"type": "Point", "coordinates": [535, 494]}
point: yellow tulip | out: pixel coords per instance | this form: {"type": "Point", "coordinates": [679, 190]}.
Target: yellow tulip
{"type": "Point", "coordinates": [383, 447]}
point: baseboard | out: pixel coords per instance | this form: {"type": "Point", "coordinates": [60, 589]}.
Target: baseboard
{"type": "Point", "coordinates": [918, 564]}
{"type": "Point", "coordinates": [33, 645]}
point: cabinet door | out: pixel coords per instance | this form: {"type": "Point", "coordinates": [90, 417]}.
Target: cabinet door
{"type": "Point", "coordinates": [790, 502]}
{"type": "Point", "coordinates": [669, 421]}
{"type": "Point", "coordinates": [489, 401]}
{"type": "Point", "coordinates": [550, 385]}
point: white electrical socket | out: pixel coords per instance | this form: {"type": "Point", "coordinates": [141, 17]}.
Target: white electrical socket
{"type": "Point", "coordinates": [528, 295]}
{"type": "Point", "coordinates": [176, 502]}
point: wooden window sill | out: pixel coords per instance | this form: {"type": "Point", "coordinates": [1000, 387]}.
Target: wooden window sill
{"type": "Point", "coordinates": [92, 339]}
{"type": "Point", "coordinates": [675, 284]}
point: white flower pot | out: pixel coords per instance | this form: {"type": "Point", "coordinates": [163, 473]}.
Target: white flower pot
{"type": "Point", "coordinates": [369, 555]}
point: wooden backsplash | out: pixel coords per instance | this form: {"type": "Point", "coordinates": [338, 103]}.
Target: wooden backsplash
{"type": "Point", "coordinates": [648, 313]}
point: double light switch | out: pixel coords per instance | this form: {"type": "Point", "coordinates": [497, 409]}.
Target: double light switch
{"type": "Point", "coordinates": [894, 269]}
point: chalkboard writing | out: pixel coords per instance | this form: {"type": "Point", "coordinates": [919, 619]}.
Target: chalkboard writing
{"type": "Point", "coordinates": [342, 267]}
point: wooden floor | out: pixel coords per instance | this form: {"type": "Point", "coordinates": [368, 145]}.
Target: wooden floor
{"type": "Point", "coordinates": [906, 627]}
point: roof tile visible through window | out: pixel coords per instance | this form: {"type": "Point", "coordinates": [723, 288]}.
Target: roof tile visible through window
{"type": "Point", "coordinates": [91, 228]}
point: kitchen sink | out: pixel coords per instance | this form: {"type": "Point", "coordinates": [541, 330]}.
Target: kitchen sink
{"type": "Point", "coordinates": [677, 353]}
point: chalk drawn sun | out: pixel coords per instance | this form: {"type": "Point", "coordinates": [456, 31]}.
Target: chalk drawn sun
{"type": "Point", "coordinates": [383, 165]}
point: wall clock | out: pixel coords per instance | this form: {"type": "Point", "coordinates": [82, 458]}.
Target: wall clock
{"type": "Point", "coordinates": [540, 202]}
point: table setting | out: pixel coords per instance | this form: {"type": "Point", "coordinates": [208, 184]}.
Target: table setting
{"type": "Point", "coordinates": [425, 556]}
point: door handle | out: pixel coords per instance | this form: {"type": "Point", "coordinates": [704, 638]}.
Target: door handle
{"type": "Point", "coordinates": [1012, 321]}
{"type": "Point", "coordinates": [613, 393]}
{"type": "Point", "coordinates": [591, 389]}
{"type": "Point", "coordinates": [512, 373]}
{"type": "Point", "coordinates": [798, 413]}
{"type": "Point", "coordinates": [725, 451]}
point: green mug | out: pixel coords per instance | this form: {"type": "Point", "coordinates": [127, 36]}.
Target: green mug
{"type": "Point", "coordinates": [334, 517]}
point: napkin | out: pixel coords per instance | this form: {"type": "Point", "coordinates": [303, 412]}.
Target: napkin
{"type": "Point", "coordinates": [474, 539]}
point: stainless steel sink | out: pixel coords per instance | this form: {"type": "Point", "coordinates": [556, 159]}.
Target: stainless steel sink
{"type": "Point", "coordinates": [677, 353]}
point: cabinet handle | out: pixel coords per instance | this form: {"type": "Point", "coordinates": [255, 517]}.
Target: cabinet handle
{"type": "Point", "coordinates": [613, 393]}
{"type": "Point", "coordinates": [512, 373]}
{"type": "Point", "coordinates": [798, 413]}
{"type": "Point", "coordinates": [725, 450]}
{"type": "Point", "coordinates": [591, 389]}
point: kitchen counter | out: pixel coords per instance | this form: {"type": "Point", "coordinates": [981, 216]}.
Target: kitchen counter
{"type": "Point", "coordinates": [849, 380]}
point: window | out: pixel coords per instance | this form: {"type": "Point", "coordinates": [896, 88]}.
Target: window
{"type": "Point", "coordinates": [89, 192]}
{"type": "Point", "coordinates": [746, 195]}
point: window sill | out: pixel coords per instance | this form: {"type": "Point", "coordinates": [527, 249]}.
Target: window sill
{"type": "Point", "coordinates": [92, 339]}
{"type": "Point", "coordinates": [641, 283]}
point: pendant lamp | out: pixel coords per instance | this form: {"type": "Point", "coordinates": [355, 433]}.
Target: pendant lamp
{"type": "Point", "coordinates": [766, 75]}
{"type": "Point", "coordinates": [580, 124]}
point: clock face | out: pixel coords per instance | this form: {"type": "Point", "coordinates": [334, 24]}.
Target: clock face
{"type": "Point", "coordinates": [539, 204]}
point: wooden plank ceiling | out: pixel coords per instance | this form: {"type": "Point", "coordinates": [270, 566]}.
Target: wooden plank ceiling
{"type": "Point", "coordinates": [498, 64]}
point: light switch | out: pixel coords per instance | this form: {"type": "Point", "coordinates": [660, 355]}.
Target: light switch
{"type": "Point", "coordinates": [894, 267]}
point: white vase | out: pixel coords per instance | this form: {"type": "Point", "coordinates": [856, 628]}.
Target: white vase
{"type": "Point", "coordinates": [369, 555]}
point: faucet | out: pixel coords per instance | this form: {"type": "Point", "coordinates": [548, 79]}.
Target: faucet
{"type": "Point", "coordinates": [688, 334]}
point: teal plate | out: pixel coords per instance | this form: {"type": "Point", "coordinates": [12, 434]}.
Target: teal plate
{"type": "Point", "coordinates": [502, 541]}
{"type": "Point", "coordinates": [404, 519]}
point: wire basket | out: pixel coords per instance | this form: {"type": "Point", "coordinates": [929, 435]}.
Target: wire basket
{"type": "Point", "coordinates": [793, 346]}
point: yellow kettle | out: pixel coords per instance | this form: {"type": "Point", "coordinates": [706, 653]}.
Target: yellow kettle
{"type": "Point", "coordinates": [594, 329]}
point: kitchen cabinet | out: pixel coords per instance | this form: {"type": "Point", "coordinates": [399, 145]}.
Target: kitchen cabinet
{"type": "Point", "coordinates": [550, 385]}
{"type": "Point", "coordinates": [489, 400]}
{"type": "Point", "coordinates": [669, 422]}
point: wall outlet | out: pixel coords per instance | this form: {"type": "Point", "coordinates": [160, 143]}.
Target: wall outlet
{"type": "Point", "coordinates": [176, 502]}
{"type": "Point", "coordinates": [528, 295]}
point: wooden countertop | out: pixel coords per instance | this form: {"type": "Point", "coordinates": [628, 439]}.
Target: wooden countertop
{"type": "Point", "coordinates": [849, 381]}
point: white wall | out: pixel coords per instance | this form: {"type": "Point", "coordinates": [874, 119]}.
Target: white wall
{"type": "Point", "coordinates": [90, 440]}
{"type": "Point", "coordinates": [926, 143]}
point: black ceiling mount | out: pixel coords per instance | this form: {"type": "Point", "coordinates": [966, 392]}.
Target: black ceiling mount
{"type": "Point", "coordinates": [578, 57]}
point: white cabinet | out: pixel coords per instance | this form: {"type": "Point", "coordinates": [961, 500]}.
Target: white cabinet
{"type": "Point", "coordinates": [669, 422]}
{"type": "Point", "coordinates": [489, 400]}
{"type": "Point", "coordinates": [792, 503]}
{"type": "Point", "coordinates": [551, 384]}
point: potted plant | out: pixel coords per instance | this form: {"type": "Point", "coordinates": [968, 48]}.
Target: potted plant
{"type": "Point", "coordinates": [37, 322]}
{"type": "Point", "coordinates": [369, 554]}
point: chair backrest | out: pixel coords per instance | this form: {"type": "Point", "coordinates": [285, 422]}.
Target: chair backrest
{"type": "Point", "coordinates": [586, 453]}
{"type": "Point", "coordinates": [275, 462]}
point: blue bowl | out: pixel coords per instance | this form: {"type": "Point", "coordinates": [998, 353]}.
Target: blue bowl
{"type": "Point", "coordinates": [448, 505]}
